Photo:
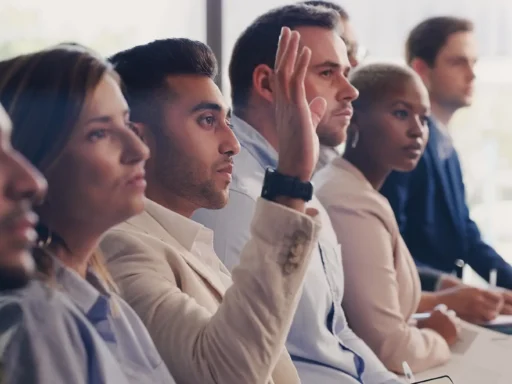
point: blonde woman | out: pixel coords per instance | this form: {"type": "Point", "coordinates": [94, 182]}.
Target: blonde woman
{"type": "Point", "coordinates": [72, 122]}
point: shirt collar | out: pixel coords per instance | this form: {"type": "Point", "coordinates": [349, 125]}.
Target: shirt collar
{"type": "Point", "coordinates": [186, 231]}
{"type": "Point", "coordinates": [89, 294]}
{"type": "Point", "coordinates": [254, 143]}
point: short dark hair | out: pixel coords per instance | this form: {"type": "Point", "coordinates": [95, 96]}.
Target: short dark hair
{"type": "Point", "coordinates": [258, 43]}
{"type": "Point", "coordinates": [331, 5]}
{"type": "Point", "coordinates": [144, 68]}
{"type": "Point", "coordinates": [427, 38]}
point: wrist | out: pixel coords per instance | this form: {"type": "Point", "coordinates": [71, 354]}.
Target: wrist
{"type": "Point", "coordinates": [448, 281]}
{"type": "Point", "coordinates": [428, 302]}
{"type": "Point", "coordinates": [296, 204]}
{"type": "Point", "coordinates": [293, 170]}
{"type": "Point", "coordinates": [289, 189]}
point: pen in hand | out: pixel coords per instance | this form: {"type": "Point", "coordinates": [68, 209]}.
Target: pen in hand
{"type": "Point", "coordinates": [408, 373]}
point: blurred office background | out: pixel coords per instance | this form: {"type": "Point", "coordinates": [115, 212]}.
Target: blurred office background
{"type": "Point", "coordinates": [483, 132]}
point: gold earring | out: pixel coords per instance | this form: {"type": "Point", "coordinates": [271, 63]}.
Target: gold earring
{"type": "Point", "coordinates": [355, 140]}
{"type": "Point", "coordinates": [46, 241]}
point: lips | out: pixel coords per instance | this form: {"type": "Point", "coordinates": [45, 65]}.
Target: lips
{"type": "Point", "coordinates": [226, 169]}
{"type": "Point", "coordinates": [345, 112]}
{"type": "Point", "coordinates": [22, 227]}
{"type": "Point", "coordinates": [414, 150]}
{"type": "Point", "coordinates": [137, 180]}
{"type": "Point", "coordinates": [413, 147]}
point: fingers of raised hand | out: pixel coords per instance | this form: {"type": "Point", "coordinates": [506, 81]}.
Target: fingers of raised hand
{"type": "Point", "coordinates": [298, 92]}
{"type": "Point", "coordinates": [286, 61]}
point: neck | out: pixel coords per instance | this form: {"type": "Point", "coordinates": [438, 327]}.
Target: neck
{"type": "Point", "coordinates": [78, 249]}
{"type": "Point", "coordinates": [262, 121]}
{"type": "Point", "coordinates": [162, 196]}
{"type": "Point", "coordinates": [441, 113]}
{"type": "Point", "coordinates": [371, 170]}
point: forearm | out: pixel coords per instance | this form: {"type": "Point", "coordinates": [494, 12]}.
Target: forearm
{"type": "Point", "coordinates": [242, 339]}
{"type": "Point", "coordinates": [428, 301]}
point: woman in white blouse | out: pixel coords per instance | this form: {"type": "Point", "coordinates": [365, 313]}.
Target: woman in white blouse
{"type": "Point", "coordinates": [382, 289]}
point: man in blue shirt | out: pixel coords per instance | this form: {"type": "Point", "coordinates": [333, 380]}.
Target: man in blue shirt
{"type": "Point", "coordinates": [430, 202]}
{"type": "Point", "coordinates": [323, 347]}
{"type": "Point", "coordinates": [44, 339]}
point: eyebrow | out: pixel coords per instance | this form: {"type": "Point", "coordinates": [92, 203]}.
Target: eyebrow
{"type": "Point", "coordinates": [408, 105]}
{"type": "Point", "coordinates": [104, 119]}
{"type": "Point", "coordinates": [327, 63]}
{"type": "Point", "coordinates": [207, 105]}
{"type": "Point", "coordinates": [463, 58]}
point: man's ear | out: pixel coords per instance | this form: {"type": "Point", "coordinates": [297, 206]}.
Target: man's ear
{"type": "Point", "coordinates": [423, 70]}
{"type": "Point", "coordinates": [263, 82]}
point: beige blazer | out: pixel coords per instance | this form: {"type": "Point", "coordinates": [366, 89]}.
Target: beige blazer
{"type": "Point", "coordinates": [207, 329]}
{"type": "Point", "coordinates": [382, 286]}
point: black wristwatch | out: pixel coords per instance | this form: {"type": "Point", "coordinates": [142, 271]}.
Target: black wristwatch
{"type": "Point", "coordinates": [276, 184]}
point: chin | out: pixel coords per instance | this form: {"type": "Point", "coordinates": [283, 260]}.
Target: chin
{"type": "Point", "coordinates": [129, 209]}
{"type": "Point", "coordinates": [18, 275]}
{"type": "Point", "coordinates": [468, 101]}
{"type": "Point", "coordinates": [464, 101]}
{"type": "Point", "coordinates": [137, 206]}
{"type": "Point", "coordinates": [407, 165]}
{"type": "Point", "coordinates": [333, 139]}
{"type": "Point", "coordinates": [218, 200]}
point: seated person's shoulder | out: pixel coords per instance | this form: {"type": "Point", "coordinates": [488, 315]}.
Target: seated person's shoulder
{"type": "Point", "coordinates": [44, 338]}
{"type": "Point", "coordinates": [129, 250]}
{"type": "Point", "coordinates": [38, 308]}
{"type": "Point", "coordinates": [352, 199]}
{"type": "Point", "coordinates": [36, 299]}
{"type": "Point", "coordinates": [40, 319]}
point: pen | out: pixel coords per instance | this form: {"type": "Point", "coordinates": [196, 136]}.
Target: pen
{"type": "Point", "coordinates": [459, 268]}
{"type": "Point", "coordinates": [408, 372]}
{"type": "Point", "coordinates": [493, 278]}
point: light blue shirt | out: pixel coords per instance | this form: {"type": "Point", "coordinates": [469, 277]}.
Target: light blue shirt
{"type": "Point", "coordinates": [45, 339]}
{"type": "Point", "coordinates": [118, 325]}
{"type": "Point", "coordinates": [322, 346]}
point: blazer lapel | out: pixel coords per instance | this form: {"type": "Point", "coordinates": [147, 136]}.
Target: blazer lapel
{"type": "Point", "coordinates": [149, 224]}
{"type": "Point", "coordinates": [446, 184]}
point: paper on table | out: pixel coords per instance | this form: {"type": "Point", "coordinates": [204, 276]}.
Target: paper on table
{"type": "Point", "coordinates": [482, 356]}
{"type": "Point", "coordinates": [501, 320]}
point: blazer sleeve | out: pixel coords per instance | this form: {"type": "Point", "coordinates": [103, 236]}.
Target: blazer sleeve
{"type": "Point", "coordinates": [481, 256]}
{"type": "Point", "coordinates": [372, 304]}
{"type": "Point", "coordinates": [242, 341]}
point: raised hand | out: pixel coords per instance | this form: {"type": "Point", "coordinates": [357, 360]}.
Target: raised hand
{"type": "Point", "coordinates": [296, 119]}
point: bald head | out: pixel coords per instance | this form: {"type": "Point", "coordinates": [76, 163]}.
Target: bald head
{"type": "Point", "coordinates": [379, 81]}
